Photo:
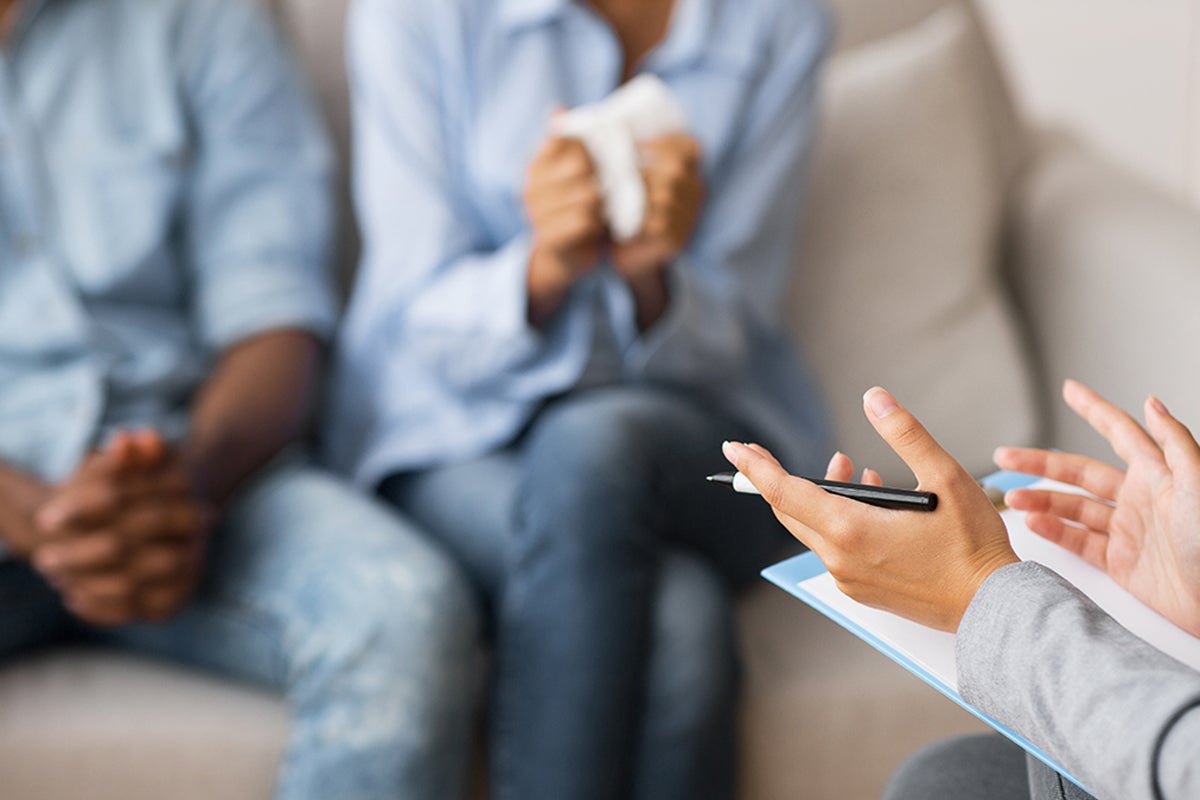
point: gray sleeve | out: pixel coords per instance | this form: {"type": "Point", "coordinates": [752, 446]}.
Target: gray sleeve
{"type": "Point", "coordinates": [1037, 655]}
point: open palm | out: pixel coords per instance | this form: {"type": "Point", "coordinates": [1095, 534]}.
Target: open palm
{"type": "Point", "coordinates": [1142, 526]}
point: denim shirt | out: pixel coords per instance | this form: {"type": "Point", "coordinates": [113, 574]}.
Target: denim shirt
{"type": "Point", "coordinates": [451, 100]}
{"type": "Point", "coordinates": [163, 195]}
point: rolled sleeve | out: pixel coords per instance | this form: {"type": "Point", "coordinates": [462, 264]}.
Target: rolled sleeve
{"type": "Point", "coordinates": [263, 297]}
{"type": "Point", "coordinates": [675, 345]}
{"type": "Point", "coordinates": [259, 221]}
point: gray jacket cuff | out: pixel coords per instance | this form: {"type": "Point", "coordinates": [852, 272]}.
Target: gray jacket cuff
{"type": "Point", "coordinates": [1037, 655]}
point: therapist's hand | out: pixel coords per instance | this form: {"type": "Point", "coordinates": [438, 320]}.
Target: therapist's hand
{"type": "Point", "coordinates": [1144, 531]}
{"type": "Point", "coordinates": [566, 214]}
{"type": "Point", "coordinates": [923, 566]}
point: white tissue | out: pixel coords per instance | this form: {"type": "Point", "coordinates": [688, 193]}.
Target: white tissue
{"type": "Point", "coordinates": [641, 110]}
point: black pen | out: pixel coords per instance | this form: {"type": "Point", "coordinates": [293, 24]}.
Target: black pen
{"type": "Point", "coordinates": [881, 496]}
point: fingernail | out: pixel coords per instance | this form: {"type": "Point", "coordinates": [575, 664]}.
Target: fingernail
{"type": "Point", "coordinates": [731, 450]}
{"type": "Point", "coordinates": [832, 461]}
{"type": "Point", "coordinates": [880, 402]}
{"type": "Point", "coordinates": [1158, 406]}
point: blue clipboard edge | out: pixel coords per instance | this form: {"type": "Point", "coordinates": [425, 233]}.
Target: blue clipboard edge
{"type": "Point", "coordinates": [788, 574]}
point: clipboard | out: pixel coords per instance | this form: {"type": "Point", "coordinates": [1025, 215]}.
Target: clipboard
{"type": "Point", "coordinates": [929, 653]}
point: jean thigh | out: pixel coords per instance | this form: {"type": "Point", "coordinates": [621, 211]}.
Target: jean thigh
{"type": "Point", "coordinates": [299, 565]}
{"type": "Point", "coordinates": [31, 613]}
{"type": "Point", "coordinates": [469, 508]}
{"type": "Point", "coordinates": [650, 448]}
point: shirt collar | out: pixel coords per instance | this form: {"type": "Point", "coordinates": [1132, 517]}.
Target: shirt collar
{"type": "Point", "coordinates": [692, 38]}
{"type": "Point", "coordinates": [696, 36]}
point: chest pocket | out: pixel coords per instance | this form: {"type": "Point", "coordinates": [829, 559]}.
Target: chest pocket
{"type": "Point", "coordinates": [119, 216]}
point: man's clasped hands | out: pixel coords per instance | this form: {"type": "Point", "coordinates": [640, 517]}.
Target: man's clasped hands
{"type": "Point", "coordinates": [123, 539]}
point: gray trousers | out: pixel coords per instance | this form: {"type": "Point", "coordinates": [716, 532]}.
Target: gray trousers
{"type": "Point", "coordinates": [980, 767]}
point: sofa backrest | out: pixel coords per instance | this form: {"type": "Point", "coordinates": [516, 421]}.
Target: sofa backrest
{"type": "Point", "coordinates": [898, 280]}
{"type": "Point", "coordinates": [316, 30]}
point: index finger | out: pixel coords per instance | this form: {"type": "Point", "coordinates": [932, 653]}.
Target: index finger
{"type": "Point", "coordinates": [1128, 439]}
{"type": "Point", "coordinates": [1102, 480]}
{"type": "Point", "coordinates": [681, 147]}
{"type": "Point", "coordinates": [797, 498]}
{"type": "Point", "coordinates": [562, 157]}
{"type": "Point", "coordinates": [80, 505]}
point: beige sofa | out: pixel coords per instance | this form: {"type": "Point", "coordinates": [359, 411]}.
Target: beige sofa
{"type": "Point", "coordinates": [949, 253]}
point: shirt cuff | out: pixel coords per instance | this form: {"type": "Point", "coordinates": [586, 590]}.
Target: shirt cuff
{"type": "Point", "coordinates": [262, 298]}
{"type": "Point", "coordinates": [646, 350]}
{"type": "Point", "coordinates": [1178, 768]}
{"type": "Point", "coordinates": [483, 294]}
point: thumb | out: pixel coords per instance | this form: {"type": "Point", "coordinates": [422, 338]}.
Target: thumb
{"type": "Point", "coordinates": [907, 437]}
{"type": "Point", "coordinates": [121, 452]}
{"type": "Point", "coordinates": [150, 446]}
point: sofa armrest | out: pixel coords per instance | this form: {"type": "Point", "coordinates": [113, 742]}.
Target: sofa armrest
{"type": "Point", "coordinates": [1106, 270]}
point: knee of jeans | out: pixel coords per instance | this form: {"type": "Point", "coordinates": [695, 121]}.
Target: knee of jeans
{"type": "Point", "coordinates": [591, 466]}
{"type": "Point", "coordinates": [388, 655]}
{"type": "Point", "coordinates": [604, 436]}
{"type": "Point", "coordinates": [949, 768]}
{"type": "Point", "coordinates": [389, 613]}
{"type": "Point", "coordinates": [693, 665]}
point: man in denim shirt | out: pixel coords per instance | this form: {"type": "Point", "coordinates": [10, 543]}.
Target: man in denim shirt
{"type": "Point", "coordinates": [164, 228]}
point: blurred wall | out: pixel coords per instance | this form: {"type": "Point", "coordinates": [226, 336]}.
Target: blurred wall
{"type": "Point", "coordinates": [1125, 74]}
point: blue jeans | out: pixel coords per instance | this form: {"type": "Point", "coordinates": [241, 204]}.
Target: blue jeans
{"type": "Point", "coordinates": [329, 597]}
{"type": "Point", "coordinates": [596, 544]}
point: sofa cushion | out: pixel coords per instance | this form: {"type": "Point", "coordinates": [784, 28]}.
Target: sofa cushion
{"type": "Point", "coordinates": [898, 277]}
{"type": "Point", "coordinates": [88, 723]}
{"type": "Point", "coordinates": [861, 21]}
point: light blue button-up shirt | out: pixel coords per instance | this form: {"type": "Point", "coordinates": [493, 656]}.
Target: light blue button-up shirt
{"type": "Point", "coordinates": [163, 195]}
{"type": "Point", "coordinates": [437, 361]}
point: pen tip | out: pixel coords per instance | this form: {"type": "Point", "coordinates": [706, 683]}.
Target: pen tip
{"type": "Point", "coordinates": [721, 479]}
